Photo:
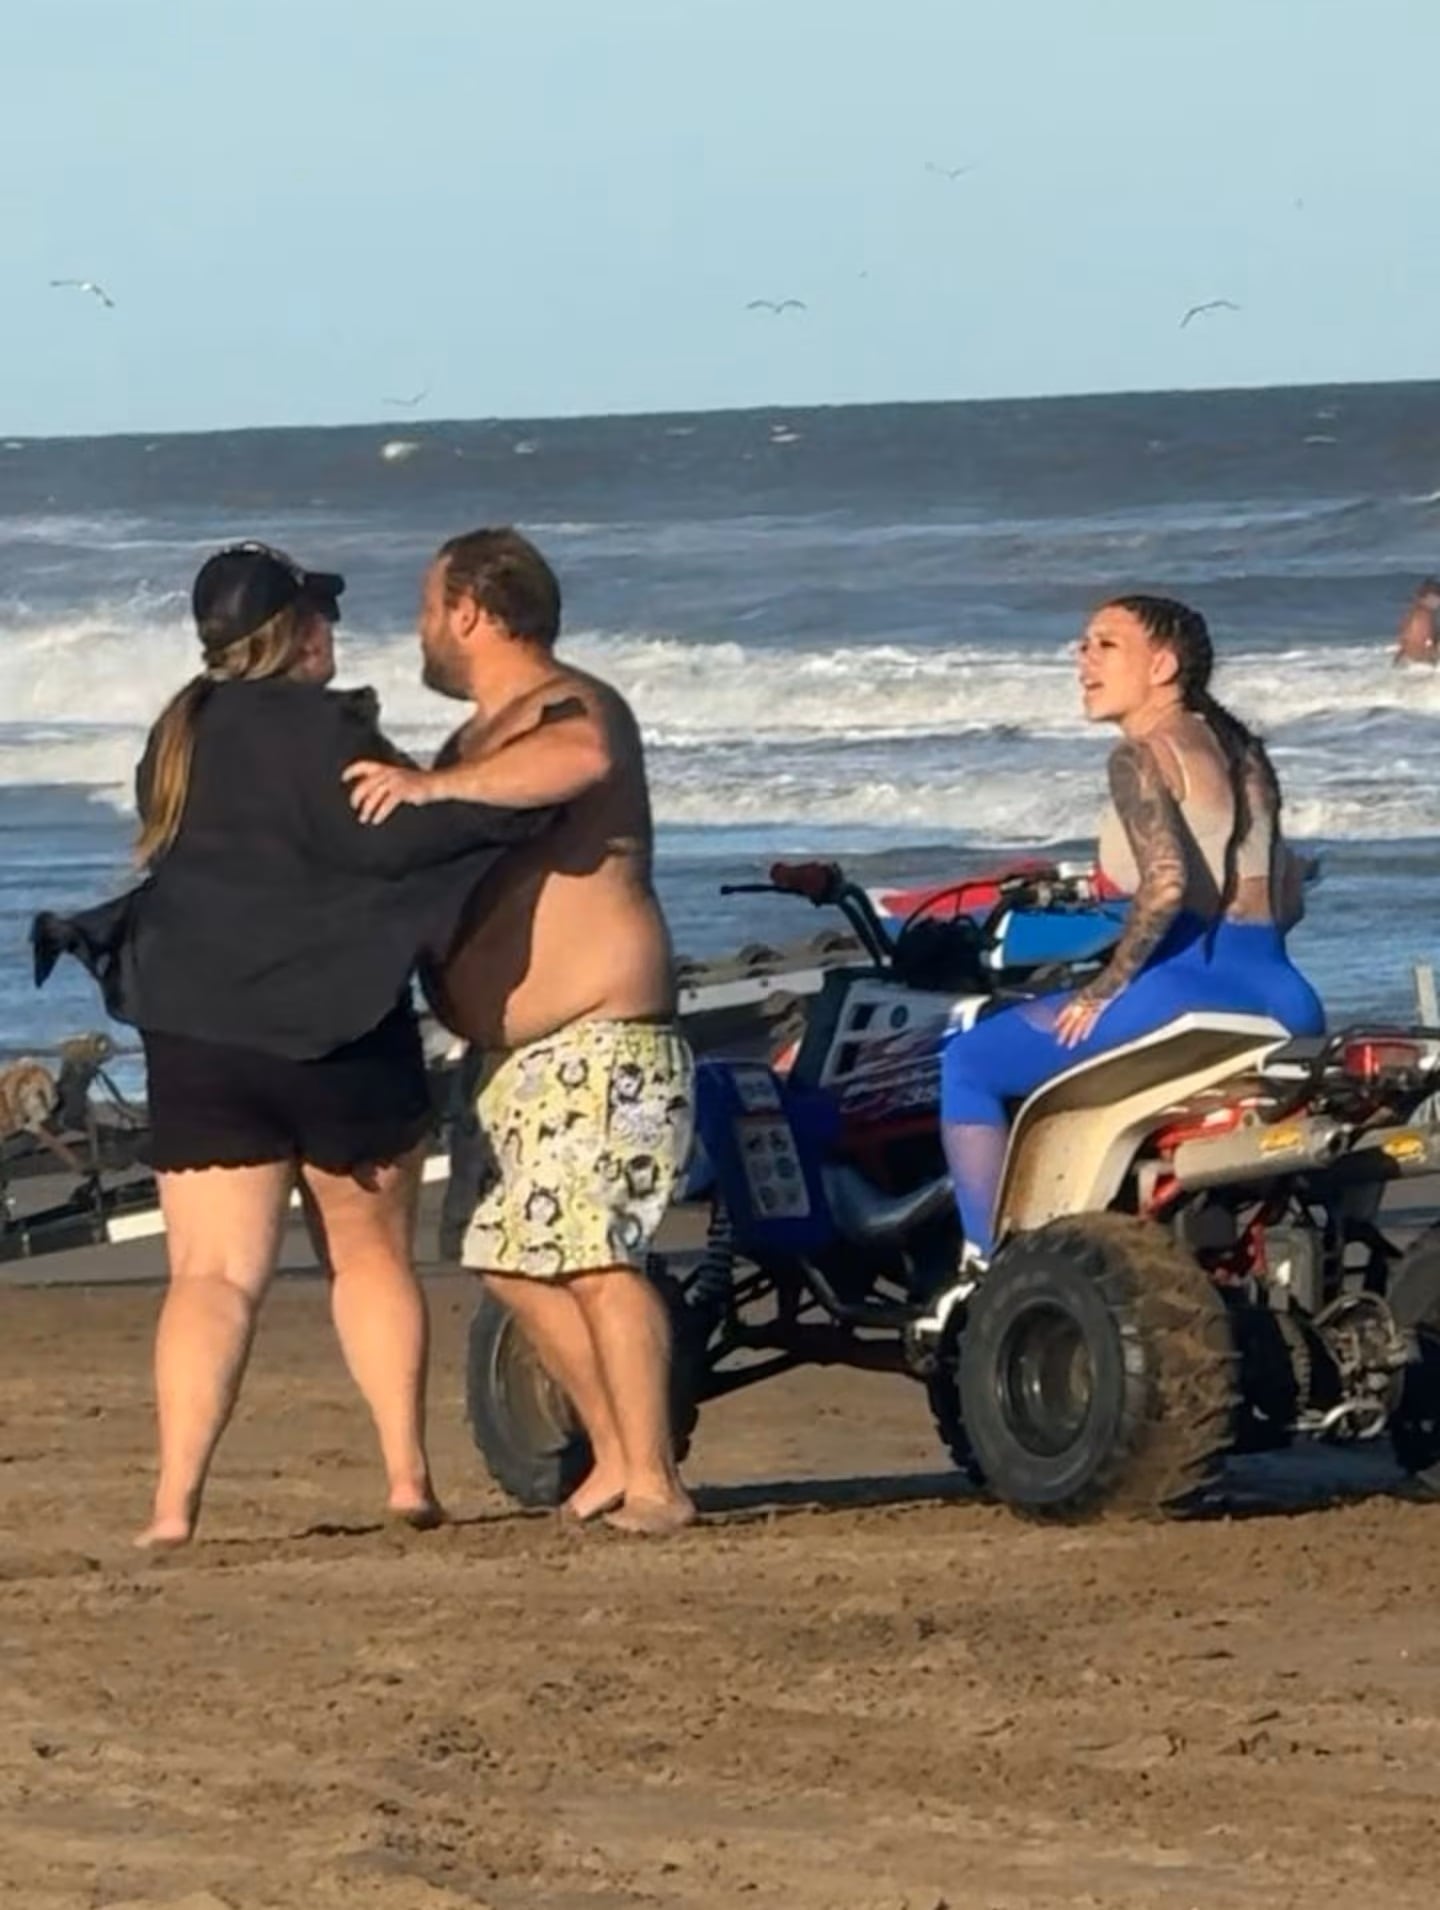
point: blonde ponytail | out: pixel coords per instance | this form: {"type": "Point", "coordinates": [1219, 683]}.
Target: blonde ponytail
{"type": "Point", "coordinates": [272, 650]}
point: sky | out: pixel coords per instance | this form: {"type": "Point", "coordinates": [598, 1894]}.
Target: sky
{"type": "Point", "coordinates": [303, 208]}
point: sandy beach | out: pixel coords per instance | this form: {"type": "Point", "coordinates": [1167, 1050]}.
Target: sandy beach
{"type": "Point", "coordinates": [850, 1688]}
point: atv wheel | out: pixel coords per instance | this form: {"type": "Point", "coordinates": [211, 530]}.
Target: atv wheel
{"type": "Point", "coordinates": [942, 1389]}
{"type": "Point", "coordinates": [523, 1424]}
{"type": "Point", "coordinates": [1097, 1371]}
{"type": "Point", "coordinates": [1415, 1425]}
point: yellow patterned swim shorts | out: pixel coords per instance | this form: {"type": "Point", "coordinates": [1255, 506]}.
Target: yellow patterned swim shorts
{"type": "Point", "coordinates": [579, 1142]}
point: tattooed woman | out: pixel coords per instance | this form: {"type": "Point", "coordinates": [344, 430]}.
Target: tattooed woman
{"type": "Point", "coordinates": [1192, 834]}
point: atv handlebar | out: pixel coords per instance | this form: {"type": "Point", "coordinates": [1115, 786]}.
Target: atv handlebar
{"type": "Point", "coordinates": [824, 885]}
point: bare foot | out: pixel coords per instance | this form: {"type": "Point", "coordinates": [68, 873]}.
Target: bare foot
{"type": "Point", "coordinates": [421, 1515]}
{"type": "Point", "coordinates": [593, 1497]}
{"type": "Point", "coordinates": [164, 1535]}
{"type": "Point", "coordinates": [653, 1518]}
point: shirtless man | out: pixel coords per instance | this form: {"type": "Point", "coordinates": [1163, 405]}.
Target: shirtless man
{"type": "Point", "coordinates": [1416, 642]}
{"type": "Point", "coordinates": [564, 986]}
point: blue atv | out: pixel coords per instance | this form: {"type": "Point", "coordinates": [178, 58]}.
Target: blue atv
{"type": "Point", "coordinates": [832, 1236]}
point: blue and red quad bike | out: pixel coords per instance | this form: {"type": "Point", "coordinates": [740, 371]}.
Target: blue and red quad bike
{"type": "Point", "coordinates": [823, 1172]}
{"type": "Point", "coordinates": [1195, 1254]}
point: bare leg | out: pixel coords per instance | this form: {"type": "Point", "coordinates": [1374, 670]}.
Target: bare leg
{"type": "Point", "coordinates": [222, 1227]}
{"type": "Point", "coordinates": [555, 1325]}
{"type": "Point", "coordinates": [363, 1228]}
{"type": "Point", "coordinates": [631, 1332]}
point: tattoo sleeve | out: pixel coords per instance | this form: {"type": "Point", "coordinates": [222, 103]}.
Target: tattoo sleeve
{"type": "Point", "coordinates": [1151, 820]}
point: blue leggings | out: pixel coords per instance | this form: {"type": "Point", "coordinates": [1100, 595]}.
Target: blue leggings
{"type": "Point", "coordinates": [1239, 967]}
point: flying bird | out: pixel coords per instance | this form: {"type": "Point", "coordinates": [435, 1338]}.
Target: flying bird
{"type": "Point", "coordinates": [777, 305]}
{"type": "Point", "coordinates": [89, 285]}
{"type": "Point", "coordinates": [1211, 305]}
{"type": "Point", "coordinates": [952, 173]}
{"type": "Point", "coordinates": [409, 403]}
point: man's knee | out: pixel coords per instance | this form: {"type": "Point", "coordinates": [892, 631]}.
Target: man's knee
{"type": "Point", "coordinates": [524, 1293]}
{"type": "Point", "coordinates": [622, 1290]}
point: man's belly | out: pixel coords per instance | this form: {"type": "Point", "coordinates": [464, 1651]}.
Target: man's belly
{"type": "Point", "coordinates": [521, 974]}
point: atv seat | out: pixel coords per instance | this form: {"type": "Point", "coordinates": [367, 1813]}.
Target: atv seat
{"type": "Point", "coordinates": [1301, 1051]}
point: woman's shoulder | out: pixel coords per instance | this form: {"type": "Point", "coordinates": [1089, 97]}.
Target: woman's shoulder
{"type": "Point", "coordinates": [295, 706]}
{"type": "Point", "coordinates": [1178, 750]}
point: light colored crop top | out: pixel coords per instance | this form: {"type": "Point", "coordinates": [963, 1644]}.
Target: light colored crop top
{"type": "Point", "coordinates": [1198, 779]}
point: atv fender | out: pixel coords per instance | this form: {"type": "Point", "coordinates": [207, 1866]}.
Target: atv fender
{"type": "Point", "coordinates": [1074, 1139]}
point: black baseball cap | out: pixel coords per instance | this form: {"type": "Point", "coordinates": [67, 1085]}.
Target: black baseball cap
{"type": "Point", "coordinates": [244, 585]}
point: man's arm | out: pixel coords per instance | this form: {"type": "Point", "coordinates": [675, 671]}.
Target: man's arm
{"type": "Point", "coordinates": [564, 754]}
{"type": "Point", "coordinates": [412, 841]}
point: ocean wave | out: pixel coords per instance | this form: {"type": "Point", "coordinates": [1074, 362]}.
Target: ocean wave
{"type": "Point", "coordinates": [119, 660]}
{"type": "Point", "coordinates": [1023, 805]}
{"type": "Point", "coordinates": [965, 739]}
{"type": "Point", "coordinates": [684, 691]}
{"type": "Point", "coordinates": [108, 530]}
{"type": "Point", "coordinates": [1199, 540]}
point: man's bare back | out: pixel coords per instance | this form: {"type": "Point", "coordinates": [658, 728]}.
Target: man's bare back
{"type": "Point", "coordinates": [570, 928]}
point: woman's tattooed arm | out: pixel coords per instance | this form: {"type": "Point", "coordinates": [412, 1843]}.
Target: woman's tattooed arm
{"type": "Point", "coordinates": [1151, 820]}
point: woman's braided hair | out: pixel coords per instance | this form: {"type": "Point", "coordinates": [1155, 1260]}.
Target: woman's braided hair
{"type": "Point", "coordinates": [1175, 626]}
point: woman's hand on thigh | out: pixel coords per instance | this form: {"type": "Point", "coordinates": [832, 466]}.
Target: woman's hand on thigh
{"type": "Point", "coordinates": [1075, 1020]}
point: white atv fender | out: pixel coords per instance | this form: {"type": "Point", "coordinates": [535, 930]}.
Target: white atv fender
{"type": "Point", "coordinates": [1073, 1140]}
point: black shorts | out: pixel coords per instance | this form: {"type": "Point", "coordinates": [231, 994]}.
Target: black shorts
{"type": "Point", "coordinates": [217, 1106]}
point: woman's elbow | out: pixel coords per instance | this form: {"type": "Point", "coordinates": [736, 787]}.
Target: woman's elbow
{"type": "Point", "coordinates": [1165, 893]}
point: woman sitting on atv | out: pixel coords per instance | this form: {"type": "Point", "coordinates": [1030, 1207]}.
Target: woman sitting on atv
{"type": "Point", "coordinates": [1192, 834]}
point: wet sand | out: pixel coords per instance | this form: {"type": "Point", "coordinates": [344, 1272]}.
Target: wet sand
{"type": "Point", "coordinates": [850, 1688]}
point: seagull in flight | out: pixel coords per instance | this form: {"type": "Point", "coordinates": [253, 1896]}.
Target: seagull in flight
{"type": "Point", "coordinates": [952, 173]}
{"type": "Point", "coordinates": [777, 305]}
{"type": "Point", "coordinates": [1210, 305]}
{"type": "Point", "coordinates": [409, 403]}
{"type": "Point", "coordinates": [89, 285]}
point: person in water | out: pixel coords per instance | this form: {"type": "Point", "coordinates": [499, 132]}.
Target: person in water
{"type": "Point", "coordinates": [1417, 640]}
{"type": "Point", "coordinates": [1192, 836]}
{"type": "Point", "coordinates": [266, 960]}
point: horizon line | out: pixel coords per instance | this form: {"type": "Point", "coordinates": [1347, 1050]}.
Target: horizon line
{"type": "Point", "coordinates": [394, 427]}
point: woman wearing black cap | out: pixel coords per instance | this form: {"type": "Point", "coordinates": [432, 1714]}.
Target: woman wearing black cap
{"type": "Point", "coordinates": [266, 961]}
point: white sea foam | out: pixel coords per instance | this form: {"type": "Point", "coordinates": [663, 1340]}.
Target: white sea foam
{"type": "Point", "coordinates": [967, 739]}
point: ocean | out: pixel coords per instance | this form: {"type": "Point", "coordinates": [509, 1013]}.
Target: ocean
{"type": "Point", "coordinates": [846, 631]}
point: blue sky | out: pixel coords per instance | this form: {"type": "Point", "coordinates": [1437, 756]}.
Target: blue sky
{"type": "Point", "coordinates": [551, 206]}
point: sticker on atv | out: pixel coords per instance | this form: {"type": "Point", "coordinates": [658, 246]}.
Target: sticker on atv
{"type": "Point", "coordinates": [755, 1089]}
{"type": "Point", "coordinates": [771, 1162]}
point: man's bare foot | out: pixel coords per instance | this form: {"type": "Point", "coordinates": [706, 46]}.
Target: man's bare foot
{"type": "Point", "coordinates": [593, 1497]}
{"type": "Point", "coordinates": [653, 1518]}
{"type": "Point", "coordinates": [164, 1535]}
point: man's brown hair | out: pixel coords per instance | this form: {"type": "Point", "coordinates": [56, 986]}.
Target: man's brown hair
{"type": "Point", "coordinates": [508, 578]}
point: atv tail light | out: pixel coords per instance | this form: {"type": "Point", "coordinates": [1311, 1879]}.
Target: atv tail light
{"type": "Point", "coordinates": [1371, 1058]}
{"type": "Point", "coordinates": [1203, 1127]}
